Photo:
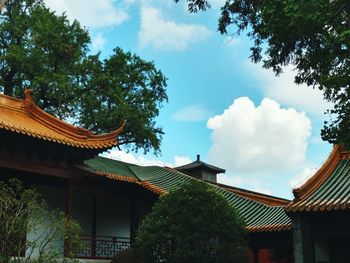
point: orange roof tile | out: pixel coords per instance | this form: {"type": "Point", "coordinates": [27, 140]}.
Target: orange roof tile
{"type": "Point", "coordinates": [269, 228]}
{"type": "Point", "coordinates": [327, 189]}
{"type": "Point", "coordinates": [24, 117]}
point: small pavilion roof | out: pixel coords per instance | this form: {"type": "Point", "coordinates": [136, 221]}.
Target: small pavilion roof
{"type": "Point", "coordinates": [24, 117]}
{"type": "Point", "coordinates": [328, 189]}
{"type": "Point", "coordinates": [258, 216]}
{"type": "Point", "coordinates": [199, 164]}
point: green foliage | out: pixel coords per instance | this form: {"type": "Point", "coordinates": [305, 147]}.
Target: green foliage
{"type": "Point", "coordinates": [122, 87]}
{"type": "Point", "coordinates": [312, 35]}
{"type": "Point", "coordinates": [29, 226]}
{"type": "Point", "coordinates": [192, 224]}
{"type": "Point", "coordinates": [45, 52]}
{"type": "Point", "coordinates": [126, 256]}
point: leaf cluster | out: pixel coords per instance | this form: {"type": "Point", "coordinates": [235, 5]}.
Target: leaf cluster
{"type": "Point", "coordinates": [192, 224]}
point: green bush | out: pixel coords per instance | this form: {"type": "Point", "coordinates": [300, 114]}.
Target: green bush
{"type": "Point", "coordinates": [192, 224]}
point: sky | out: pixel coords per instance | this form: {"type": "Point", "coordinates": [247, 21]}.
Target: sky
{"type": "Point", "coordinates": [264, 130]}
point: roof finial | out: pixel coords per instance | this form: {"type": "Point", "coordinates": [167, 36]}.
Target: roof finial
{"type": "Point", "coordinates": [27, 94]}
{"type": "Point", "coordinates": [198, 157]}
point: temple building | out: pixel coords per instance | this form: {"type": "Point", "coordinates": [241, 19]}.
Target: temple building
{"type": "Point", "coordinates": [110, 198]}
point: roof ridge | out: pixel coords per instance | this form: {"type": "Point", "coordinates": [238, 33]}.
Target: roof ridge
{"type": "Point", "coordinates": [35, 122]}
{"type": "Point", "coordinates": [257, 196]}
{"type": "Point", "coordinates": [320, 176]}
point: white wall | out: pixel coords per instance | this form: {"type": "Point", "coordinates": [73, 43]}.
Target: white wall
{"type": "Point", "coordinates": [56, 199]}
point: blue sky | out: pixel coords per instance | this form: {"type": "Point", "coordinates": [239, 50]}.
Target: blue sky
{"type": "Point", "coordinates": [264, 130]}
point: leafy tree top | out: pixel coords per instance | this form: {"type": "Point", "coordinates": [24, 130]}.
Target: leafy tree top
{"type": "Point", "coordinates": [49, 54]}
{"type": "Point", "coordinates": [312, 35]}
{"type": "Point", "coordinates": [192, 224]}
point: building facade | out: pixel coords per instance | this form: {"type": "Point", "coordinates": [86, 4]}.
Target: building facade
{"type": "Point", "coordinates": [109, 198]}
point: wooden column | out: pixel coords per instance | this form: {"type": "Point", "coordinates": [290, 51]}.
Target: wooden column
{"type": "Point", "coordinates": [134, 220]}
{"type": "Point", "coordinates": [69, 209]}
{"type": "Point", "coordinates": [255, 251]}
{"type": "Point", "coordinates": [94, 225]}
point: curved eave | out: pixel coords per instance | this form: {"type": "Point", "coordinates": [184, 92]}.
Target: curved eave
{"type": "Point", "coordinates": [269, 228]}
{"type": "Point", "coordinates": [47, 127]}
{"type": "Point", "coordinates": [320, 176]}
{"type": "Point", "coordinates": [302, 202]}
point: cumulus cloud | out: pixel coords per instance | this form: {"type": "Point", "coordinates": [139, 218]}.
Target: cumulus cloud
{"type": "Point", "coordinates": [162, 34]}
{"type": "Point", "coordinates": [302, 177]}
{"type": "Point", "coordinates": [192, 113]}
{"type": "Point", "coordinates": [92, 14]}
{"type": "Point", "coordinates": [143, 160]}
{"type": "Point", "coordinates": [285, 91]}
{"type": "Point", "coordinates": [249, 138]}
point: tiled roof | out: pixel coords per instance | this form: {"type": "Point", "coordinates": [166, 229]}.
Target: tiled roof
{"type": "Point", "coordinates": [256, 196]}
{"type": "Point", "coordinates": [199, 164]}
{"type": "Point", "coordinates": [258, 216]}
{"type": "Point", "coordinates": [328, 189]}
{"type": "Point", "coordinates": [24, 117]}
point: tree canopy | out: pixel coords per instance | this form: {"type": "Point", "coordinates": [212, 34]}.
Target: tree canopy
{"type": "Point", "coordinates": [192, 224]}
{"type": "Point", "coordinates": [49, 54]}
{"type": "Point", "coordinates": [313, 36]}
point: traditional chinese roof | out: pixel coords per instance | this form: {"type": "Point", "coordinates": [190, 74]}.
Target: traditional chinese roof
{"type": "Point", "coordinates": [24, 117]}
{"type": "Point", "coordinates": [256, 196]}
{"type": "Point", "coordinates": [328, 189]}
{"type": "Point", "coordinates": [258, 216]}
{"type": "Point", "coordinates": [198, 164]}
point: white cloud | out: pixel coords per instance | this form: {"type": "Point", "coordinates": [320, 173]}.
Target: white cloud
{"type": "Point", "coordinates": [302, 177]}
{"type": "Point", "coordinates": [162, 34]}
{"type": "Point", "coordinates": [192, 113]}
{"type": "Point", "coordinates": [143, 160]}
{"type": "Point", "coordinates": [285, 91]}
{"type": "Point", "coordinates": [92, 14]}
{"type": "Point", "coordinates": [260, 139]}
{"type": "Point", "coordinates": [98, 42]}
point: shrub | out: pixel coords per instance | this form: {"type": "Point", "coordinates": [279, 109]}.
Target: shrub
{"type": "Point", "coordinates": [192, 224]}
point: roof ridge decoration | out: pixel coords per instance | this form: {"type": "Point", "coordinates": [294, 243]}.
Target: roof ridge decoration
{"type": "Point", "coordinates": [40, 124]}
{"type": "Point", "coordinates": [321, 175]}
{"type": "Point", "coordinates": [327, 189]}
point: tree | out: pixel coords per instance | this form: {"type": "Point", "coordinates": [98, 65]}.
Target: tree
{"type": "Point", "coordinates": [49, 54]}
{"type": "Point", "coordinates": [29, 227]}
{"type": "Point", "coordinates": [312, 35]}
{"type": "Point", "coordinates": [192, 224]}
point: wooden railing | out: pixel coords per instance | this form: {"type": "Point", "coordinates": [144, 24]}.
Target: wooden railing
{"type": "Point", "coordinates": [100, 247]}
